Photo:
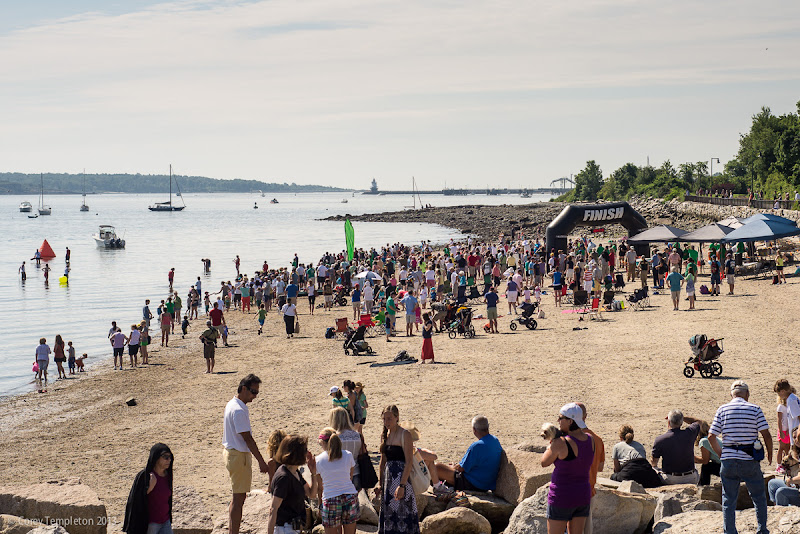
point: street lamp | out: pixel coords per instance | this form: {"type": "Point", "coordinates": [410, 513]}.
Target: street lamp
{"type": "Point", "coordinates": [711, 171]}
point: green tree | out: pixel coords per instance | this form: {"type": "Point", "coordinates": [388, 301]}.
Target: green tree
{"type": "Point", "coordinates": [588, 182]}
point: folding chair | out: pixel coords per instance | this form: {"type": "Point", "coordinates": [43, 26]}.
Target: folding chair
{"type": "Point", "coordinates": [341, 328]}
{"type": "Point", "coordinates": [594, 312]}
{"type": "Point", "coordinates": [580, 299]}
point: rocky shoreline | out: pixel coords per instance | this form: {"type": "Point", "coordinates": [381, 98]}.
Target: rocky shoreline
{"type": "Point", "coordinates": [488, 222]}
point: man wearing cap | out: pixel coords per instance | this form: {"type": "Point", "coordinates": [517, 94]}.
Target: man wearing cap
{"type": "Point", "coordinates": [676, 450]}
{"type": "Point", "coordinates": [209, 340]}
{"type": "Point", "coordinates": [739, 422]}
{"type": "Point", "coordinates": [478, 469]}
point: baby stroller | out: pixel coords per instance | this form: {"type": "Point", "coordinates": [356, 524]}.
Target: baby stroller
{"type": "Point", "coordinates": [461, 324]}
{"type": "Point", "coordinates": [340, 295]}
{"type": "Point", "coordinates": [528, 309]}
{"type": "Point", "coordinates": [705, 353]}
{"type": "Point", "coordinates": [355, 342]}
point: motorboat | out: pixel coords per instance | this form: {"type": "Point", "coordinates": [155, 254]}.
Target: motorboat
{"type": "Point", "coordinates": [344, 201]}
{"type": "Point", "coordinates": [43, 209]}
{"type": "Point", "coordinates": [167, 206]}
{"type": "Point", "coordinates": [273, 201]}
{"type": "Point", "coordinates": [106, 237]}
{"type": "Point", "coordinates": [25, 207]}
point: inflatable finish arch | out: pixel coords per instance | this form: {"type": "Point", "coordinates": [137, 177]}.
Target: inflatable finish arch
{"type": "Point", "coordinates": [594, 215]}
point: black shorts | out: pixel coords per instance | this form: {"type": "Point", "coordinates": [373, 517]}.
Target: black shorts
{"type": "Point", "coordinates": [237, 298]}
{"type": "Point", "coordinates": [119, 351]}
{"type": "Point", "coordinates": [133, 350]}
{"type": "Point", "coordinates": [312, 299]}
{"type": "Point", "coordinates": [462, 484]}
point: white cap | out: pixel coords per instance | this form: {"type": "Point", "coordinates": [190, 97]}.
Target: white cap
{"type": "Point", "coordinates": [574, 412]}
{"type": "Point", "coordinates": [334, 389]}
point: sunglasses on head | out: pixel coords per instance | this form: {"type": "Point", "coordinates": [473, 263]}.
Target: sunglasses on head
{"type": "Point", "coordinates": [253, 391]}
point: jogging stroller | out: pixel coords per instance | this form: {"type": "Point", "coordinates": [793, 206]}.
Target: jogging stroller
{"type": "Point", "coordinates": [528, 309]}
{"type": "Point", "coordinates": [355, 342]}
{"type": "Point", "coordinates": [705, 353]}
{"type": "Point", "coordinates": [461, 324]}
{"type": "Point", "coordinates": [340, 295]}
{"type": "Point", "coordinates": [639, 300]}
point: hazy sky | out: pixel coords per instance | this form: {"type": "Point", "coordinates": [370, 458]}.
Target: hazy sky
{"type": "Point", "coordinates": [462, 93]}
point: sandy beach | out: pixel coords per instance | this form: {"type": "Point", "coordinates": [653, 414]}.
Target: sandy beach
{"type": "Point", "coordinates": [627, 369]}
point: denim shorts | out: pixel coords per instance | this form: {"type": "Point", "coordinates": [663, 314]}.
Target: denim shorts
{"type": "Point", "coordinates": [559, 513]}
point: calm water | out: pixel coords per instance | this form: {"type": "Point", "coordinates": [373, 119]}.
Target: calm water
{"type": "Point", "coordinates": [106, 285]}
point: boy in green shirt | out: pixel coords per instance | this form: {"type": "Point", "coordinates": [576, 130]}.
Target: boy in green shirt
{"type": "Point", "coordinates": [262, 315]}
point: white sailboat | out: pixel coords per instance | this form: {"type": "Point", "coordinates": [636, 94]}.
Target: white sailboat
{"type": "Point", "coordinates": [43, 209]}
{"type": "Point", "coordinates": [167, 206]}
{"type": "Point", "coordinates": [84, 207]}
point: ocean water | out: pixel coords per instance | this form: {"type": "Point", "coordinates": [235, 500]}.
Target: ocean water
{"type": "Point", "coordinates": [106, 285]}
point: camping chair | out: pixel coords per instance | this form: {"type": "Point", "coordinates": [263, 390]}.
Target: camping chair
{"type": "Point", "coordinates": [580, 299]}
{"type": "Point", "coordinates": [594, 312]}
{"type": "Point", "coordinates": [608, 298]}
{"type": "Point", "coordinates": [342, 328]}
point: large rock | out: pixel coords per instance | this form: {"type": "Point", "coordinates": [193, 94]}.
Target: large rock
{"type": "Point", "coordinates": [458, 520]}
{"type": "Point", "coordinates": [616, 512]}
{"type": "Point", "coordinates": [368, 514]}
{"type": "Point", "coordinates": [780, 520]}
{"type": "Point", "coordinates": [69, 504]}
{"type": "Point", "coordinates": [688, 493]}
{"type": "Point", "coordinates": [495, 509]}
{"type": "Point", "coordinates": [189, 512]}
{"type": "Point", "coordinates": [667, 506]}
{"type": "Point", "coordinates": [521, 473]}
{"type": "Point", "coordinates": [255, 515]}
{"type": "Point", "coordinates": [530, 516]}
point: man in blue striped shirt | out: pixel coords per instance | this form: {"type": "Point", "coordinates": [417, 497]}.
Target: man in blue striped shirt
{"type": "Point", "coordinates": [739, 423]}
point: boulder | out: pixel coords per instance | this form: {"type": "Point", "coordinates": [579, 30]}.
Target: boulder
{"type": "Point", "coordinates": [690, 493]}
{"type": "Point", "coordinates": [368, 514]}
{"type": "Point", "coordinates": [69, 504]}
{"type": "Point", "coordinates": [11, 524]}
{"type": "Point", "coordinates": [255, 515]}
{"type": "Point", "coordinates": [495, 509]}
{"type": "Point", "coordinates": [422, 503]}
{"type": "Point", "coordinates": [615, 512]}
{"type": "Point", "coordinates": [458, 520]}
{"type": "Point", "coordinates": [434, 506]}
{"type": "Point", "coordinates": [631, 486]}
{"type": "Point", "coordinates": [521, 473]}
{"type": "Point", "coordinates": [780, 520]}
{"type": "Point", "coordinates": [666, 506]}
{"type": "Point", "coordinates": [700, 506]}
{"type": "Point", "coordinates": [189, 512]}
{"type": "Point", "coordinates": [530, 516]}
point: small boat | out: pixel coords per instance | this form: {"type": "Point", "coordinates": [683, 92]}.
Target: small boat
{"type": "Point", "coordinates": [106, 237]}
{"type": "Point", "coordinates": [525, 194]}
{"type": "Point", "coordinates": [25, 207]}
{"type": "Point", "coordinates": [262, 194]}
{"type": "Point", "coordinates": [273, 201]}
{"type": "Point", "coordinates": [84, 207]}
{"type": "Point", "coordinates": [167, 206]}
{"type": "Point", "coordinates": [255, 206]}
{"type": "Point", "coordinates": [344, 201]}
{"type": "Point", "coordinates": [43, 209]}
{"type": "Point", "coordinates": [33, 216]}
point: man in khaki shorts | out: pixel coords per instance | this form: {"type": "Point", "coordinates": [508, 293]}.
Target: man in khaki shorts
{"type": "Point", "coordinates": [239, 447]}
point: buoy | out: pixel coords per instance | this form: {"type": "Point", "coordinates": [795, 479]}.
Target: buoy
{"type": "Point", "coordinates": [45, 251]}
{"type": "Point", "coordinates": [63, 280]}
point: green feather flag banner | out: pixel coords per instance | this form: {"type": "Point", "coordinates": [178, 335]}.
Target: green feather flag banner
{"type": "Point", "coordinates": [350, 237]}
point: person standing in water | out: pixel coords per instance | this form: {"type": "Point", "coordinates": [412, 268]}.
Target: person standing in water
{"type": "Point", "coordinates": [21, 271]}
{"type": "Point", "coordinates": [46, 271]}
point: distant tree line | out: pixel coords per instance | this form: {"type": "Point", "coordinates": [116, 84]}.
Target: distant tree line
{"type": "Point", "coordinates": [768, 161]}
{"type": "Point", "coordinates": [19, 183]}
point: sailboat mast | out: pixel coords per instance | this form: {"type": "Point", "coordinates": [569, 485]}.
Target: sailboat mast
{"type": "Point", "coordinates": [170, 185]}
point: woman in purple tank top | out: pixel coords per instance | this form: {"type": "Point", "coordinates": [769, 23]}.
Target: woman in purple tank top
{"type": "Point", "coordinates": [572, 452]}
{"type": "Point", "coordinates": [149, 507]}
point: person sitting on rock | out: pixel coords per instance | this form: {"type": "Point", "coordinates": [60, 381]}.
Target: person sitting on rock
{"type": "Point", "coordinates": [676, 449]}
{"type": "Point", "coordinates": [478, 469]}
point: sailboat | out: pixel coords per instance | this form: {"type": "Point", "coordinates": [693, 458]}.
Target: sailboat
{"type": "Point", "coordinates": [167, 206]}
{"type": "Point", "coordinates": [84, 207]}
{"type": "Point", "coordinates": [415, 195]}
{"type": "Point", "coordinates": [43, 210]}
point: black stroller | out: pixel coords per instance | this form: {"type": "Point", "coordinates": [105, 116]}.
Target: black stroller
{"type": "Point", "coordinates": [705, 353]}
{"type": "Point", "coordinates": [461, 324]}
{"type": "Point", "coordinates": [354, 341]}
{"type": "Point", "coordinates": [528, 309]}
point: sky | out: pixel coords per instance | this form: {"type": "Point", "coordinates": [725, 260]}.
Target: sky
{"type": "Point", "coordinates": [454, 93]}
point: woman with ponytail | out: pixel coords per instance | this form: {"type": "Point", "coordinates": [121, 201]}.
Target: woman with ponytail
{"type": "Point", "coordinates": [630, 461]}
{"type": "Point", "coordinates": [627, 449]}
{"type": "Point", "coordinates": [340, 510]}
{"type": "Point", "coordinates": [398, 513]}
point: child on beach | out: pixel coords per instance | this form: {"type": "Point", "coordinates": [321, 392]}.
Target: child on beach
{"type": "Point", "coordinates": [537, 294]}
{"type": "Point", "coordinates": [79, 362]}
{"type": "Point", "coordinates": [207, 302]}
{"type": "Point", "coordinates": [184, 326]}
{"type": "Point", "coordinates": [71, 358]}
{"type": "Point", "coordinates": [261, 316]}
{"type": "Point", "coordinates": [526, 294]}
{"type": "Point", "coordinates": [788, 413]}
{"type": "Point", "coordinates": [417, 318]}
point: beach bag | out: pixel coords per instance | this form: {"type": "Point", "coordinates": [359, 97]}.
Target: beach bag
{"type": "Point", "coordinates": [541, 314]}
{"type": "Point", "coordinates": [35, 367]}
{"type": "Point", "coordinates": [330, 332]}
{"type": "Point", "coordinates": [704, 290]}
{"type": "Point", "coordinates": [775, 279]}
{"type": "Point", "coordinates": [296, 325]}
{"type": "Point", "coordinates": [420, 476]}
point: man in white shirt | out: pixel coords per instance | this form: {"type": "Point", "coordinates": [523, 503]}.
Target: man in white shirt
{"type": "Point", "coordinates": [630, 258]}
{"type": "Point", "coordinates": [239, 447]}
